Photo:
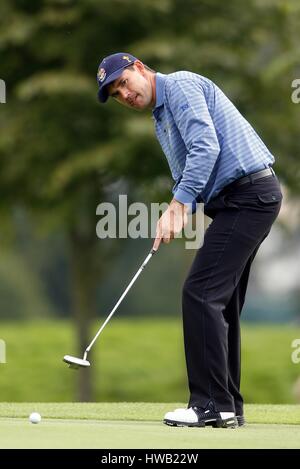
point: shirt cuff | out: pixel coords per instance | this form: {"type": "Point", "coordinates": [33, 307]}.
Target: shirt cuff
{"type": "Point", "coordinates": [183, 196]}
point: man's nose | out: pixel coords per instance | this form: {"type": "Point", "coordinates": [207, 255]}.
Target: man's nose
{"type": "Point", "coordinates": [124, 94]}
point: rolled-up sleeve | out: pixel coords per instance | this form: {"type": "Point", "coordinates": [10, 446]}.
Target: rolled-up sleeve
{"type": "Point", "coordinates": [188, 106]}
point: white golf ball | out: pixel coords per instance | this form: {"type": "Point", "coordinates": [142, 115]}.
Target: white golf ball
{"type": "Point", "coordinates": [35, 417]}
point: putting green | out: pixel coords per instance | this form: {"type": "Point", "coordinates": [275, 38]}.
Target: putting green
{"type": "Point", "coordinates": [97, 426]}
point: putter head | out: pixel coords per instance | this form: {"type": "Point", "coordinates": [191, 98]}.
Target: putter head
{"type": "Point", "coordinates": [76, 363]}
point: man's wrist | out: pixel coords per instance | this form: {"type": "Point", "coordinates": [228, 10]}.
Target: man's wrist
{"type": "Point", "coordinates": [178, 205]}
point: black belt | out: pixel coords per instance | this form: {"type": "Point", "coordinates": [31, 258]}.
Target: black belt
{"type": "Point", "coordinates": [252, 177]}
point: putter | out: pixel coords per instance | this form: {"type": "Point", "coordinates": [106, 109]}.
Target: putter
{"type": "Point", "coordinates": [75, 362]}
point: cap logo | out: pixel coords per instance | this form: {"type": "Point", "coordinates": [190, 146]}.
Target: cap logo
{"type": "Point", "coordinates": [125, 57]}
{"type": "Point", "coordinates": [101, 74]}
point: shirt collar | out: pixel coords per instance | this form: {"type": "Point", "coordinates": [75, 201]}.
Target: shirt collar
{"type": "Point", "coordinates": [160, 87]}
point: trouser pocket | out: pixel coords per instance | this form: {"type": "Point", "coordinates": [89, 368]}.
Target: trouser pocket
{"type": "Point", "coordinates": [270, 198]}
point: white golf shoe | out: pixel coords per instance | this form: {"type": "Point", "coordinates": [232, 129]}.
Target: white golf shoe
{"type": "Point", "coordinates": [200, 417]}
{"type": "Point", "coordinates": [181, 417]}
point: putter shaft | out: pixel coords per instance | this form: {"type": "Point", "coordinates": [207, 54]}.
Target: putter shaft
{"type": "Point", "coordinates": [151, 253]}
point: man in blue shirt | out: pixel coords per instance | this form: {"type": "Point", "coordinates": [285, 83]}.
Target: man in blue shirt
{"type": "Point", "coordinates": [216, 157]}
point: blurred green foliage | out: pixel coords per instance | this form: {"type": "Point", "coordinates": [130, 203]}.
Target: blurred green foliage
{"type": "Point", "coordinates": [61, 153]}
{"type": "Point", "coordinates": [136, 360]}
{"type": "Point", "coordinates": [58, 146]}
{"type": "Point", "coordinates": [21, 290]}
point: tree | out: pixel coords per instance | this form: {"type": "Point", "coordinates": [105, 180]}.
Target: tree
{"type": "Point", "coordinates": [60, 151]}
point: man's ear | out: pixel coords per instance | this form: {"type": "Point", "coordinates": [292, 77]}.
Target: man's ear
{"type": "Point", "coordinates": [140, 67]}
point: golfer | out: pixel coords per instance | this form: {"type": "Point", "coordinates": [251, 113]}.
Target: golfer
{"type": "Point", "coordinates": [217, 158]}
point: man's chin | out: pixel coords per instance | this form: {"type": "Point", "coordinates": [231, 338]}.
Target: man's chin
{"type": "Point", "coordinates": [138, 106]}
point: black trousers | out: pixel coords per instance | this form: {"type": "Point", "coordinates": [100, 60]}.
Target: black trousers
{"type": "Point", "coordinates": [215, 288]}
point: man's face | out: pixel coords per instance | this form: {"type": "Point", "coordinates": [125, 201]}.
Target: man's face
{"type": "Point", "coordinates": [135, 88]}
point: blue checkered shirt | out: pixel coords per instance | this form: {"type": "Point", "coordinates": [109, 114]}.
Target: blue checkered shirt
{"type": "Point", "coordinates": [207, 142]}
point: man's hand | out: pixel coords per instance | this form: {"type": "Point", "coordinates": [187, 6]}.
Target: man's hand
{"type": "Point", "coordinates": [170, 223]}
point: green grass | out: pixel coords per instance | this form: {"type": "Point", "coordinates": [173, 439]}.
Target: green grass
{"type": "Point", "coordinates": [136, 360]}
{"type": "Point", "coordinates": [139, 425]}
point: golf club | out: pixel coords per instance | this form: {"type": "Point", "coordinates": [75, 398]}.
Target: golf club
{"type": "Point", "coordinates": [75, 362]}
